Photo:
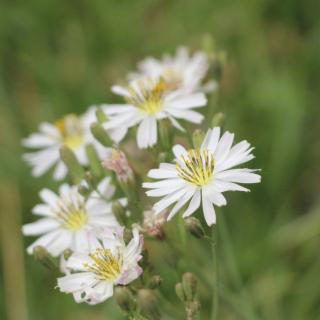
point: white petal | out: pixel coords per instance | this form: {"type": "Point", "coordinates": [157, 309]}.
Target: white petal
{"type": "Point", "coordinates": [42, 210]}
{"type": "Point", "coordinates": [214, 139]}
{"type": "Point", "coordinates": [208, 211]}
{"type": "Point", "coordinates": [195, 100]}
{"type": "Point", "coordinates": [168, 200]}
{"type": "Point", "coordinates": [189, 115]}
{"type": "Point", "coordinates": [239, 176]}
{"type": "Point", "coordinates": [142, 134]}
{"type": "Point", "coordinates": [120, 91]}
{"type": "Point", "coordinates": [39, 227]}
{"type": "Point", "coordinates": [179, 151]}
{"type": "Point", "coordinates": [162, 174]}
{"type": "Point", "coordinates": [76, 281]}
{"type": "Point", "coordinates": [49, 197]}
{"type": "Point", "coordinates": [194, 204]}
{"type": "Point", "coordinates": [163, 183]}
{"type": "Point", "coordinates": [224, 146]}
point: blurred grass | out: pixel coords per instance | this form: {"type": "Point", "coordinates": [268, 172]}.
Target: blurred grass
{"type": "Point", "coordinates": [58, 57]}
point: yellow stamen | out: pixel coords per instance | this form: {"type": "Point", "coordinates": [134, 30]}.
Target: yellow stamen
{"type": "Point", "coordinates": [197, 167]}
{"type": "Point", "coordinates": [72, 214]}
{"type": "Point", "coordinates": [106, 266]}
{"type": "Point", "coordinates": [71, 130]}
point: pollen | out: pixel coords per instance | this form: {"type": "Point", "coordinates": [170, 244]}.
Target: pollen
{"type": "Point", "coordinates": [196, 167]}
{"type": "Point", "coordinates": [71, 214]}
{"type": "Point", "coordinates": [105, 266]}
{"type": "Point", "coordinates": [71, 130]}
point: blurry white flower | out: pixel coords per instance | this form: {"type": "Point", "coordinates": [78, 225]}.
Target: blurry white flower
{"type": "Point", "coordinates": [182, 71]}
{"type": "Point", "coordinates": [147, 101]}
{"type": "Point", "coordinates": [202, 175]}
{"type": "Point", "coordinates": [72, 131]}
{"type": "Point", "coordinates": [68, 216]}
{"type": "Point", "coordinates": [109, 262]}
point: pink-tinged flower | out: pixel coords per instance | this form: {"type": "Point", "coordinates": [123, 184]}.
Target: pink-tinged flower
{"type": "Point", "coordinates": [110, 262]}
{"type": "Point", "coordinates": [153, 223]}
{"type": "Point", "coordinates": [202, 175]}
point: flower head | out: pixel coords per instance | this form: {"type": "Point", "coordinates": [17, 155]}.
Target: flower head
{"type": "Point", "coordinates": [202, 175]}
{"type": "Point", "coordinates": [149, 100]}
{"type": "Point", "coordinates": [71, 131]}
{"type": "Point", "coordinates": [182, 71]}
{"type": "Point", "coordinates": [68, 216]}
{"type": "Point", "coordinates": [109, 262]}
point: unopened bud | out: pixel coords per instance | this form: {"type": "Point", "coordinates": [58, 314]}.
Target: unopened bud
{"type": "Point", "coordinates": [194, 226]}
{"type": "Point", "coordinates": [100, 134]}
{"type": "Point", "coordinates": [43, 256]}
{"type": "Point", "coordinates": [101, 116]}
{"type": "Point", "coordinates": [70, 160]}
{"type": "Point", "coordinates": [189, 283]}
{"type": "Point", "coordinates": [197, 138]}
{"type": "Point", "coordinates": [90, 180]}
{"type": "Point", "coordinates": [94, 161]}
{"type": "Point", "coordinates": [125, 299]}
{"type": "Point", "coordinates": [148, 303]}
{"type": "Point", "coordinates": [119, 212]}
{"type": "Point", "coordinates": [218, 120]}
{"type": "Point", "coordinates": [180, 292]}
{"type": "Point", "coordinates": [84, 191]}
{"type": "Point", "coordinates": [155, 282]}
{"type": "Point", "coordinates": [127, 235]}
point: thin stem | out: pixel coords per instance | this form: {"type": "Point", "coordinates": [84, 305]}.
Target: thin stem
{"type": "Point", "coordinates": [215, 285]}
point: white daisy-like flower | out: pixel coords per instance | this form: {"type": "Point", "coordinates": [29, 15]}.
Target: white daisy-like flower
{"type": "Point", "coordinates": [72, 131]}
{"type": "Point", "coordinates": [109, 262]}
{"type": "Point", "coordinates": [181, 71]}
{"type": "Point", "coordinates": [148, 101]}
{"type": "Point", "coordinates": [202, 175]}
{"type": "Point", "coordinates": [67, 218]}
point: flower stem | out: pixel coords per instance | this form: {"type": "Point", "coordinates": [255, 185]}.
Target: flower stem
{"type": "Point", "coordinates": [215, 285]}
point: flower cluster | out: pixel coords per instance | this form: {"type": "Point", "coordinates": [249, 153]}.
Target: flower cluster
{"type": "Point", "coordinates": [95, 222]}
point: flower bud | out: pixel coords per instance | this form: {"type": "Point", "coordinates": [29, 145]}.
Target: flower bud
{"type": "Point", "coordinates": [67, 253]}
{"type": "Point", "coordinates": [197, 138]}
{"type": "Point", "coordinates": [84, 191]}
{"type": "Point", "coordinates": [94, 161]}
{"type": "Point", "coordinates": [155, 282]}
{"type": "Point", "coordinates": [43, 256]}
{"type": "Point", "coordinates": [125, 299]}
{"type": "Point", "coordinates": [189, 284]}
{"type": "Point", "coordinates": [180, 292]}
{"type": "Point", "coordinates": [70, 160]}
{"type": "Point", "coordinates": [194, 226]}
{"type": "Point", "coordinates": [218, 120]}
{"type": "Point", "coordinates": [119, 212]}
{"type": "Point", "coordinates": [100, 134]}
{"type": "Point", "coordinates": [101, 116]}
{"type": "Point", "coordinates": [148, 303]}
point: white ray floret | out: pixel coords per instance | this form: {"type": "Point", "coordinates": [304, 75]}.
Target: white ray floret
{"type": "Point", "coordinates": [72, 131]}
{"type": "Point", "coordinates": [110, 262]}
{"type": "Point", "coordinates": [200, 176]}
{"type": "Point", "coordinates": [67, 217]}
{"type": "Point", "coordinates": [181, 71]}
{"type": "Point", "coordinates": [148, 101]}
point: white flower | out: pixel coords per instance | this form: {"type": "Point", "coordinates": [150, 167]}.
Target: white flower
{"type": "Point", "coordinates": [148, 101]}
{"type": "Point", "coordinates": [202, 175]}
{"type": "Point", "coordinates": [110, 262]}
{"type": "Point", "coordinates": [182, 71]}
{"type": "Point", "coordinates": [67, 218]}
{"type": "Point", "coordinates": [72, 131]}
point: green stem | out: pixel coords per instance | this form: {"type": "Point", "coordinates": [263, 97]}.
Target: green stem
{"type": "Point", "coordinates": [215, 285]}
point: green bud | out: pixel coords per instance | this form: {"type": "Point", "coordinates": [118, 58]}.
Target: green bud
{"type": "Point", "coordinates": [218, 120]}
{"type": "Point", "coordinates": [189, 283]}
{"type": "Point", "coordinates": [84, 191]}
{"type": "Point", "coordinates": [148, 303]}
{"type": "Point", "coordinates": [101, 116]}
{"type": "Point", "coordinates": [165, 134]}
{"type": "Point", "coordinates": [180, 292]}
{"type": "Point", "coordinates": [94, 161]}
{"type": "Point", "coordinates": [194, 226]}
{"type": "Point", "coordinates": [91, 180]}
{"type": "Point", "coordinates": [197, 138]}
{"type": "Point", "coordinates": [43, 256]}
{"type": "Point", "coordinates": [75, 169]}
{"type": "Point", "coordinates": [100, 134]}
{"type": "Point", "coordinates": [125, 299]}
{"type": "Point", "coordinates": [155, 282]}
{"type": "Point", "coordinates": [119, 212]}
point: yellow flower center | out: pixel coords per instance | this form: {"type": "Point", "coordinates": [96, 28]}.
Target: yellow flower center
{"type": "Point", "coordinates": [71, 130]}
{"type": "Point", "coordinates": [149, 100]}
{"type": "Point", "coordinates": [105, 265]}
{"type": "Point", "coordinates": [72, 214]}
{"type": "Point", "coordinates": [196, 167]}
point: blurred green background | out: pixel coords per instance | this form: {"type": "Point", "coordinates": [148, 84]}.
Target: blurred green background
{"type": "Point", "coordinates": [62, 56]}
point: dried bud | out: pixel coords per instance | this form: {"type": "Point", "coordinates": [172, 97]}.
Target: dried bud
{"type": "Point", "coordinates": [155, 282]}
{"type": "Point", "coordinates": [189, 283]}
{"type": "Point", "coordinates": [148, 303]}
{"type": "Point", "coordinates": [194, 226]}
{"type": "Point", "coordinates": [153, 223]}
{"type": "Point", "coordinates": [218, 120]}
{"type": "Point", "coordinates": [125, 299]}
{"type": "Point", "coordinates": [117, 162]}
{"type": "Point", "coordinates": [197, 138]}
{"type": "Point", "coordinates": [180, 292]}
{"type": "Point", "coordinates": [43, 256]}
